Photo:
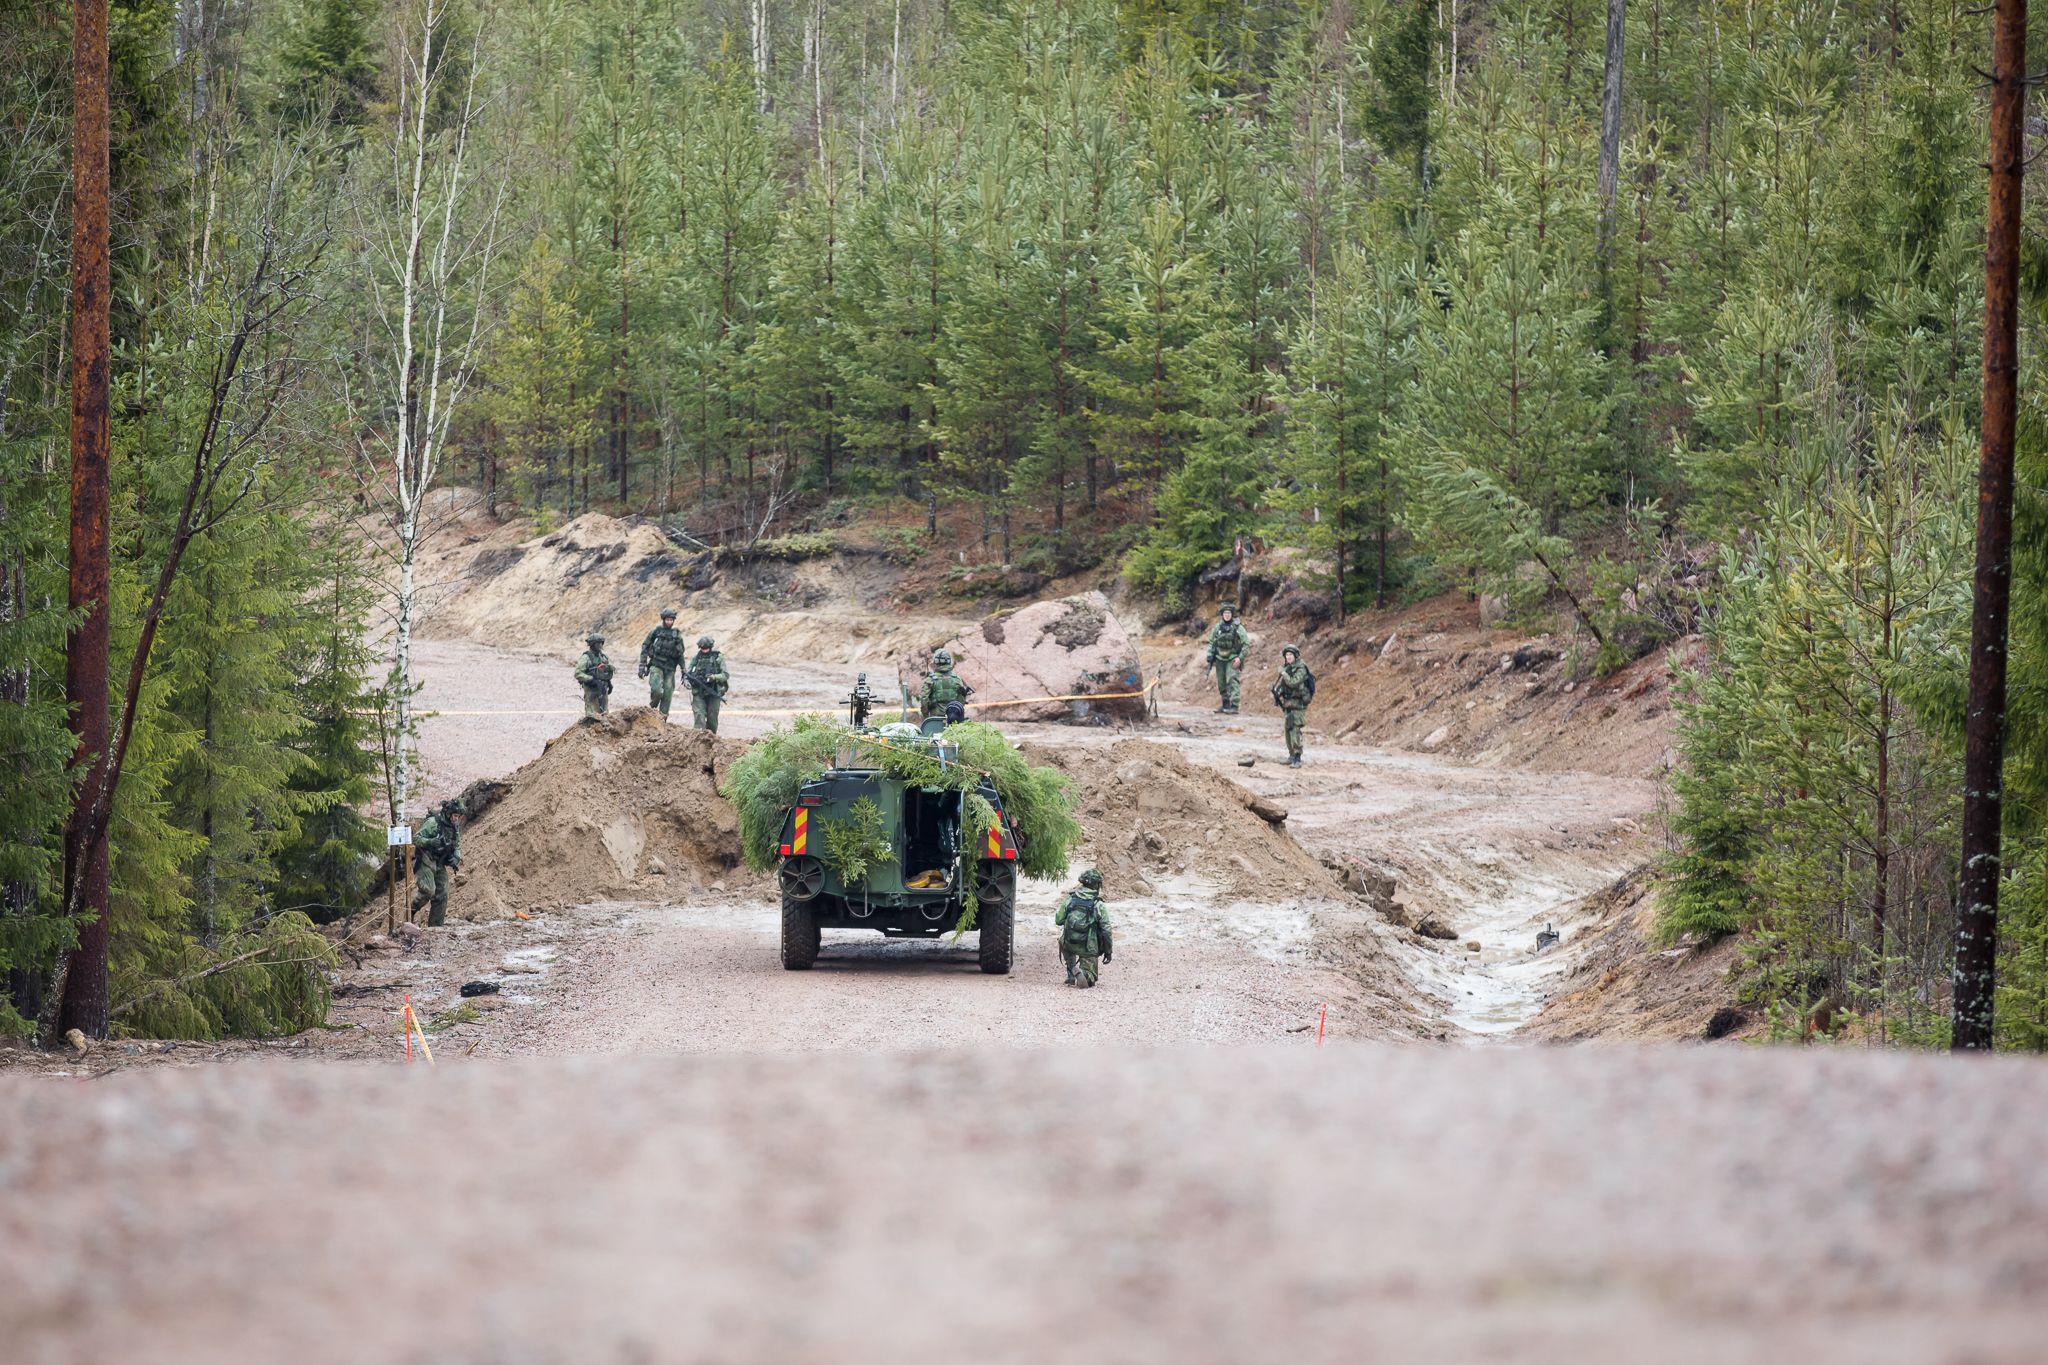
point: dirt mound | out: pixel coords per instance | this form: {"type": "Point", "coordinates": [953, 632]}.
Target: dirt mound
{"type": "Point", "coordinates": [1049, 649]}
{"type": "Point", "coordinates": [619, 807]}
{"type": "Point", "coordinates": [1150, 814]}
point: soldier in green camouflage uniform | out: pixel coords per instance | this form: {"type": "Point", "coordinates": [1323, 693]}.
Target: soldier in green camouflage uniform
{"type": "Point", "coordinates": [437, 855]}
{"type": "Point", "coordinates": [708, 683]}
{"type": "Point", "coordinates": [594, 672]}
{"type": "Point", "coordinates": [942, 685]}
{"type": "Point", "coordinates": [1084, 931]}
{"type": "Point", "coordinates": [661, 654]}
{"type": "Point", "coordinates": [1294, 690]}
{"type": "Point", "coordinates": [1228, 644]}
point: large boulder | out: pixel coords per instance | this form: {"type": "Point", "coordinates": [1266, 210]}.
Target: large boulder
{"type": "Point", "coordinates": [1049, 649]}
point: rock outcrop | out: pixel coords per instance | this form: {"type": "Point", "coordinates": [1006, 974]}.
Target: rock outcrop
{"type": "Point", "coordinates": [1049, 649]}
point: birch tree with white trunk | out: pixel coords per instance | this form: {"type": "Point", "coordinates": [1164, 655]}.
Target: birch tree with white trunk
{"type": "Point", "coordinates": [428, 233]}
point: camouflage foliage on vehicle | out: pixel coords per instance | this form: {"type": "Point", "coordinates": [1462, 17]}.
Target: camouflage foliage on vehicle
{"type": "Point", "coordinates": [764, 781]}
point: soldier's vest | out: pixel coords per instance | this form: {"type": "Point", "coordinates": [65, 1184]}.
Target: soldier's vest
{"type": "Point", "coordinates": [665, 647]}
{"type": "Point", "coordinates": [940, 688]}
{"type": "Point", "coordinates": [1077, 935]}
{"type": "Point", "coordinates": [436, 839]}
{"type": "Point", "coordinates": [704, 667]}
{"type": "Point", "coordinates": [1228, 642]}
{"type": "Point", "coordinates": [1296, 688]}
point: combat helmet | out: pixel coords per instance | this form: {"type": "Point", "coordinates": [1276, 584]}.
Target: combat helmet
{"type": "Point", "coordinates": [943, 661]}
{"type": "Point", "coordinates": [1092, 879]}
{"type": "Point", "coordinates": [1286, 650]}
{"type": "Point", "coordinates": [593, 639]}
{"type": "Point", "coordinates": [668, 613]}
{"type": "Point", "coordinates": [703, 642]}
{"type": "Point", "coordinates": [452, 806]}
{"type": "Point", "coordinates": [1229, 609]}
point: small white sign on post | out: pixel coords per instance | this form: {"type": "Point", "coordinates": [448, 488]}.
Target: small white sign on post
{"type": "Point", "coordinates": [398, 836]}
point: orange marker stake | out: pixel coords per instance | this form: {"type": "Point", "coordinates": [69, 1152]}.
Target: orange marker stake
{"type": "Point", "coordinates": [1319, 1026]}
{"type": "Point", "coordinates": [412, 1020]}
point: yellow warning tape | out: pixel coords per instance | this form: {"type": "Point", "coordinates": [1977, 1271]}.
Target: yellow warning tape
{"type": "Point", "coordinates": [811, 710]}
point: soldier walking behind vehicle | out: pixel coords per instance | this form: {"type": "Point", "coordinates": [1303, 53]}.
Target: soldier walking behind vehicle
{"type": "Point", "coordinates": [1228, 644]}
{"type": "Point", "coordinates": [594, 672]}
{"type": "Point", "coordinates": [661, 654]}
{"type": "Point", "coordinates": [1084, 931]}
{"type": "Point", "coordinates": [1292, 693]}
{"type": "Point", "coordinates": [437, 855]}
{"type": "Point", "coordinates": [708, 683]}
{"type": "Point", "coordinates": [942, 685]}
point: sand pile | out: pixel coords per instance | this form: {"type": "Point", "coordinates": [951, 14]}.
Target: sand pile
{"type": "Point", "coordinates": [1150, 814]}
{"type": "Point", "coordinates": [622, 807]}
{"type": "Point", "coordinates": [1049, 649]}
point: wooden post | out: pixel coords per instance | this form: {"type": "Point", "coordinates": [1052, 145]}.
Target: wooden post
{"type": "Point", "coordinates": [1976, 947]}
{"type": "Point", "coordinates": [84, 1002]}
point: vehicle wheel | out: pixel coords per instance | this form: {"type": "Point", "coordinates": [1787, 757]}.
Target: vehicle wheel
{"type": "Point", "coordinates": [802, 877]}
{"type": "Point", "coordinates": [998, 920]}
{"type": "Point", "coordinates": [995, 881]}
{"type": "Point", "coordinates": [799, 935]}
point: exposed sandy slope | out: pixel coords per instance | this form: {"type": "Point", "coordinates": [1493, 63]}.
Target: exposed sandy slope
{"type": "Point", "coordinates": [511, 586]}
{"type": "Point", "coordinates": [1444, 672]}
{"type": "Point", "coordinates": [1173, 1206]}
{"type": "Point", "coordinates": [1623, 989]}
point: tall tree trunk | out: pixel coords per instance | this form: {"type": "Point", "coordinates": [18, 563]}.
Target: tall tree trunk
{"type": "Point", "coordinates": [83, 992]}
{"type": "Point", "coordinates": [1610, 130]}
{"type": "Point", "coordinates": [1984, 721]}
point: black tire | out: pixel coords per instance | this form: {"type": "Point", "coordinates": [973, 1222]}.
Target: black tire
{"type": "Point", "coordinates": [799, 936]}
{"type": "Point", "coordinates": [998, 920]}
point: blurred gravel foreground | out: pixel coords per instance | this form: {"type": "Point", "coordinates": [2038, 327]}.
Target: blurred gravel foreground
{"type": "Point", "coordinates": [1360, 1203]}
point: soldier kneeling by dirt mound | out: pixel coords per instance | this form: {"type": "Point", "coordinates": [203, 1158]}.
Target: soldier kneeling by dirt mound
{"type": "Point", "coordinates": [1084, 931]}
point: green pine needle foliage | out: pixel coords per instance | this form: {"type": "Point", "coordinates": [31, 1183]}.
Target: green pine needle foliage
{"type": "Point", "coordinates": [853, 846]}
{"type": "Point", "coordinates": [190, 991]}
{"type": "Point", "coordinates": [764, 782]}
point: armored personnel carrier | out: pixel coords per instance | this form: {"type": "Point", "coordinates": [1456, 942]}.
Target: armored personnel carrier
{"type": "Point", "coordinates": [919, 876]}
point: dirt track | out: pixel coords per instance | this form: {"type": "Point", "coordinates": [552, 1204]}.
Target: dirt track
{"type": "Point", "coordinates": [1352, 1204]}
{"type": "Point", "coordinates": [1495, 853]}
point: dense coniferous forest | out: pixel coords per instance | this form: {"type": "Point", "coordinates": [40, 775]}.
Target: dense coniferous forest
{"type": "Point", "coordinates": [1141, 284]}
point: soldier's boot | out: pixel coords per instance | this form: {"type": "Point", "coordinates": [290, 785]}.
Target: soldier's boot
{"type": "Point", "coordinates": [438, 915]}
{"type": "Point", "coordinates": [1294, 760]}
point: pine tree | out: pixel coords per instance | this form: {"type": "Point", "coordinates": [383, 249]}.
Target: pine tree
{"type": "Point", "coordinates": [541, 382]}
{"type": "Point", "coordinates": [324, 866]}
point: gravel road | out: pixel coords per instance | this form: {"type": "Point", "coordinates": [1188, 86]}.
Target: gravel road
{"type": "Point", "coordinates": [1231, 1205]}
{"type": "Point", "coordinates": [1497, 853]}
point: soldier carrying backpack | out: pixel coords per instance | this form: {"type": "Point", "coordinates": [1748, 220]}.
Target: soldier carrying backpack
{"type": "Point", "coordinates": [1084, 931]}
